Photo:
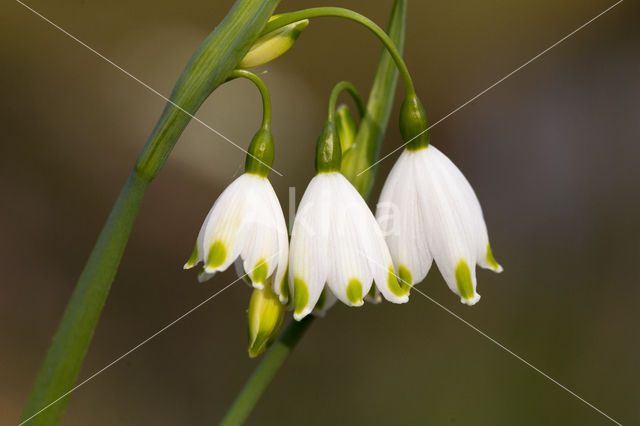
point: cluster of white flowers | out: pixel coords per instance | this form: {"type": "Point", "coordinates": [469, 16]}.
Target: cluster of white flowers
{"type": "Point", "coordinates": [427, 211]}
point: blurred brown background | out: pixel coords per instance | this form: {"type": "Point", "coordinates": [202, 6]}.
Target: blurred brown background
{"type": "Point", "coordinates": [552, 153]}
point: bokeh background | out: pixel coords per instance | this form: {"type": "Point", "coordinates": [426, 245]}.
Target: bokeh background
{"type": "Point", "coordinates": [552, 153]}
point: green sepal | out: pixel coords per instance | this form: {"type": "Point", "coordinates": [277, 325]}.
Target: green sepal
{"type": "Point", "coordinates": [346, 127]}
{"type": "Point", "coordinates": [260, 155]}
{"type": "Point", "coordinates": [328, 151]}
{"type": "Point", "coordinates": [264, 317]}
{"type": "Point", "coordinates": [413, 123]}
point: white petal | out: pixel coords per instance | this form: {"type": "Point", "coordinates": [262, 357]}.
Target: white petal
{"type": "Point", "coordinates": [388, 282]}
{"type": "Point", "coordinates": [400, 216]}
{"type": "Point", "coordinates": [260, 251]}
{"type": "Point", "coordinates": [455, 226]}
{"type": "Point", "coordinates": [372, 247]}
{"type": "Point", "coordinates": [203, 276]}
{"type": "Point", "coordinates": [225, 228]}
{"type": "Point", "coordinates": [349, 275]}
{"type": "Point", "coordinates": [308, 266]}
{"type": "Point", "coordinates": [279, 281]}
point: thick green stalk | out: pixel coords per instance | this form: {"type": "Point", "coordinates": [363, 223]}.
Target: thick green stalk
{"type": "Point", "coordinates": [265, 372]}
{"type": "Point", "coordinates": [209, 67]}
{"type": "Point", "coordinates": [366, 147]}
{"type": "Point", "coordinates": [378, 110]}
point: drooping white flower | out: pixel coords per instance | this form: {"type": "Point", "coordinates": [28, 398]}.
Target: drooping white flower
{"type": "Point", "coordinates": [336, 240]}
{"type": "Point", "coordinates": [246, 221]}
{"type": "Point", "coordinates": [428, 211]}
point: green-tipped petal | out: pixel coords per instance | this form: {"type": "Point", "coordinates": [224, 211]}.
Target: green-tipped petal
{"type": "Point", "coordinates": [259, 273]}
{"type": "Point", "coordinates": [464, 281]}
{"type": "Point", "coordinates": [193, 259]}
{"type": "Point", "coordinates": [354, 292]}
{"type": "Point", "coordinates": [398, 288]}
{"type": "Point", "coordinates": [491, 261]}
{"type": "Point", "coordinates": [217, 255]}
{"type": "Point", "coordinates": [300, 298]}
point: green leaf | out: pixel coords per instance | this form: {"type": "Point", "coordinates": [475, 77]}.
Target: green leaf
{"type": "Point", "coordinates": [366, 148]}
{"type": "Point", "coordinates": [209, 67]}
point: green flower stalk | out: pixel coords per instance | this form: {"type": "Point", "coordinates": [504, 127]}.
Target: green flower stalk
{"type": "Point", "coordinates": [209, 67]}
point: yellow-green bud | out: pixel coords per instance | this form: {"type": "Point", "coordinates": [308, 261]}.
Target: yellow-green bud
{"type": "Point", "coordinates": [346, 126]}
{"type": "Point", "coordinates": [264, 319]}
{"type": "Point", "coordinates": [271, 45]}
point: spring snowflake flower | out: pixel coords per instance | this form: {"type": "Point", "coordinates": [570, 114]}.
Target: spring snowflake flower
{"type": "Point", "coordinates": [336, 240]}
{"type": "Point", "coordinates": [245, 222]}
{"type": "Point", "coordinates": [429, 211]}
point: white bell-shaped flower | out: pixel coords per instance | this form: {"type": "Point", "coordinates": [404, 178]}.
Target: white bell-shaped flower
{"type": "Point", "coordinates": [246, 221]}
{"type": "Point", "coordinates": [428, 210]}
{"type": "Point", "coordinates": [336, 240]}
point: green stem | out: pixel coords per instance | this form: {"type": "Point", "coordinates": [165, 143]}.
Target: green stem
{"type": "Point", "coordinates": [365, 150]}
{"type": "Point", "coordinates": [349, 88]}
{"type": "Point", "coordinates": [209, 67]}
{"type": "Point", "coordinates": [264, 93]}
{"type": "Point", "coordinates": [378, 109]}
{"type": "Point", "coordinates": [317, 12]}
{"type": "Point", "coordinates": [265, 372]}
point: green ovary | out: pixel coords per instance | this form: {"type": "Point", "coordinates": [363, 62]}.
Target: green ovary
{"type": "Point", "coordinates": [300, 295]}
{"type": "Point", "coordinates": [354, 291]}
{"type": "Point", "coordinates": [399, 289]}
{"type": "Point", "coordinates": [463, 280]}
{"type": "Point", "coordinates": [217, 254]}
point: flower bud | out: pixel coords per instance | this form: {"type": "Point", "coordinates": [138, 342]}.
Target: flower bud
{"type": "Point", "coordinates": [264, 319]}
{"type": "Point", "coordinates": [271, 45]}
{"type": "Point", "coordinates": [346, 126]}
